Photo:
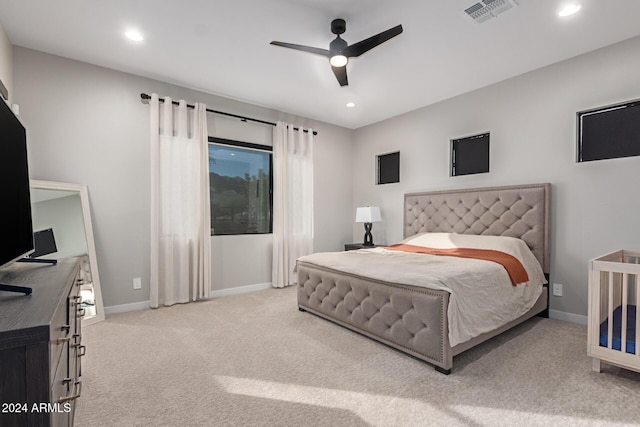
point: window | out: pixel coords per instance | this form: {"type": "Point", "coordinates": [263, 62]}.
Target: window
{"type": "Point", "coordinates": [240, 187]}
{"type": "Point", "coordinates": [609, 132]}
{"type": "Point", "coordinates": [470, 155]}
{"type": "Point", "coordinates": [389, 168]}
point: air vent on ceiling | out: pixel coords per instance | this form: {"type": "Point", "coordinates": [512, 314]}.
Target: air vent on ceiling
{"type": "Point", "coordinates": [487, 9]}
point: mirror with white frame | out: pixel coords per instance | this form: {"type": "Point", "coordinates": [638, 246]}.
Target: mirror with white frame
{"type": "Point", "coordinates": [62, 229]}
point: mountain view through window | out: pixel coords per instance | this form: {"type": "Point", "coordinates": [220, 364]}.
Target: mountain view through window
{"type": "Point", "coordinates": [240, 186]}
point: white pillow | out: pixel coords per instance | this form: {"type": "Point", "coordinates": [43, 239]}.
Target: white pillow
{"type": "Point", "coordinates": [510, 245]}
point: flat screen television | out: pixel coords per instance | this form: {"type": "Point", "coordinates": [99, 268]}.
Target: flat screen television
{"type": "Point", "coordinates": [16, 229]}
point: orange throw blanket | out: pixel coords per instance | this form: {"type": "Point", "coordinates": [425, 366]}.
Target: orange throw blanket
{"type": "Point", "coordinates": [514, 268]}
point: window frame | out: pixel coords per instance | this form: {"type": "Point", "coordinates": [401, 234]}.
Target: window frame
{"type": "Point", "coordinates": [387, 158]}
{"type": "Point", "coordinates": [611, 153]}
{"type": "Point", "coordinates": [254, 147]}
{"type": "Point", "coordinates": [455, 155]}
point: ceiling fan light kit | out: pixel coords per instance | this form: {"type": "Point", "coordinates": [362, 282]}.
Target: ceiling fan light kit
{"type": "Point", "coordinates": [340, 51]}
{"type": "Point", "coordinates": [338, 60]}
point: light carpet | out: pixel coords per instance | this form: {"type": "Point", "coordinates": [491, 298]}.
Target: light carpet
{"type": "Point", "coordinates": [255, 360]}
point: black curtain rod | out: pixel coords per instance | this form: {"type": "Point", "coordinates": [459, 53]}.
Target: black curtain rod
{"type": "Point", "coordinates": [145, 98]}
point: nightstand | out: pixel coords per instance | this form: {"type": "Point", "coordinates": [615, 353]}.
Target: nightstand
{"type": "Point", "coordinates": [355, 246]}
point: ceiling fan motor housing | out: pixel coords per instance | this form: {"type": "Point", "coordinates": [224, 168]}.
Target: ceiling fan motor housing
{"type": "Point", "coordinates": [337, 45]}
{"type": "Point", "coordinates": [338, 26]}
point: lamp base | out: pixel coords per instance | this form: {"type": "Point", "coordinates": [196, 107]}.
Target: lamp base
{"type": "Point", "coordinates": [368, 237]}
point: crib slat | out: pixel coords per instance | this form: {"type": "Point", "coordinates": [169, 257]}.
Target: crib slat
{"type": "Point", "coordinates": [610, 311]}
{"type": "Point", "coordinates": [625, 291]}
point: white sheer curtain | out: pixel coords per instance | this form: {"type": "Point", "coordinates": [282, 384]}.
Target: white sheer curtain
{"type": "Point", "coordinates": [180, 210]}
{"type": "Point", "coordinates": [292, 201]}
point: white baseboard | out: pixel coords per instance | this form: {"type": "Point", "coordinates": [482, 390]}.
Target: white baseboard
{"type": "Point", "coordinates": [239, 290]}
{"type": "Point", "coordinates": [123, 308]}
{"type": "Point", "coordinates": [568, 317]}
{"type": "Point", "coordinates": [143, 305]}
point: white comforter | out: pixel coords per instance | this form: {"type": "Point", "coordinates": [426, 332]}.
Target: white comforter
{"type": "Point", "coordinates": [482, 295]}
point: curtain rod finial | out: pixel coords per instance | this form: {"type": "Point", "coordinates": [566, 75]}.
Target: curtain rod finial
{"type": "Point", "coordinates": [145, 98]}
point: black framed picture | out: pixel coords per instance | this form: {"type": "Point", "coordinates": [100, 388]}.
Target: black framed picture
{"type": "Point", "coordinates": [470, 155]}
{"type": "Point", "coordinates": [45, 243]}
{"type": "Point", "coordinates": [388, 168]}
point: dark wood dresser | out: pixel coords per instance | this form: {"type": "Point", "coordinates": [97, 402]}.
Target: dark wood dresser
{"type": "Point", "coordinates": [40, 344]}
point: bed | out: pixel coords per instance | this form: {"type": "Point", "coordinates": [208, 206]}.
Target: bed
{"type": "Point", "coordinates": [358, 289]}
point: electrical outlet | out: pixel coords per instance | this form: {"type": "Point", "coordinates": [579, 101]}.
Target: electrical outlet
{"type": "Point", "coordinates": [557, 290]}
{"type": "Point", "coordinates": [137, 283]}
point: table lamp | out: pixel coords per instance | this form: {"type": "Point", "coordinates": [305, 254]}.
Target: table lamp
{"type": "Point", "coordinates": [368, 215]}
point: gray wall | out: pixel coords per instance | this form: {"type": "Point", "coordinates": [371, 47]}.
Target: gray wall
{"type": "Point", "coordinates": [86, 125]}
{"type": "Point", "coordinates": [6, 62]}
{"type": "Point", "coordinates": [532, 123]}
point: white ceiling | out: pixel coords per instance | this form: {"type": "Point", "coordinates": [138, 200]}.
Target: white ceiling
{"type": "Point", "coordinates": [222, 46]}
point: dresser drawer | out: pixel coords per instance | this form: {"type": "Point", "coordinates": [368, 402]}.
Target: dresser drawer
{"type": "Point", "coordinates": [64, 325]}
{"type": "Point", "coordinates": [61, 387]}
{"type": "Point", "coordinates": [61, 333]}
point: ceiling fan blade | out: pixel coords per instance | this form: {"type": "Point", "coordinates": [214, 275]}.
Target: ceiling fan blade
{"type": "Point", "coordinates": [365, 45]}
{"type": "Point", "coordinates": [341, 75]}
{"type": "Point", "coordinates": [316, 50]}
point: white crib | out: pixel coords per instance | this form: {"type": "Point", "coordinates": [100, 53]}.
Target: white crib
{"type": "Point", "coordinates": [614, 325]}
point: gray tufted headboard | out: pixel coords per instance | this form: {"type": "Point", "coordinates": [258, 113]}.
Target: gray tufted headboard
{"type": "Point", "coordinates": [521, 211]}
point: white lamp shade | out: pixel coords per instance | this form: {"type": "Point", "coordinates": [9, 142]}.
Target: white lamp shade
{"type": "Point", "coordinates": [368, 214]}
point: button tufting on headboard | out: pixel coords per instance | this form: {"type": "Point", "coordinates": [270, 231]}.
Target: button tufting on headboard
{"type": "Point", "coordinates": [518, 211]}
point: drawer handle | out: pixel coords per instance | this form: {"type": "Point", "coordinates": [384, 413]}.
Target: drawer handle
{"type": "Point", "coordinates": [73, 396]}
{"type": "Point", "coordinates": [83, 350]}
{"type": "Point", "coordinates": [63, 340]}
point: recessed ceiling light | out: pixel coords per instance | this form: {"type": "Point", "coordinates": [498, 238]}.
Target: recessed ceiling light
{"type": "Point", "coordinates": [134, 35]}
{"type": "Point", "coordinates": [569, 9]}
{"type": "Point", "coordinates": [351, 104]}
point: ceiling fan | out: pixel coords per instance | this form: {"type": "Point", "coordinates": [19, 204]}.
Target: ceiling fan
{"type": "Point", "coordinates": [340, 51]}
